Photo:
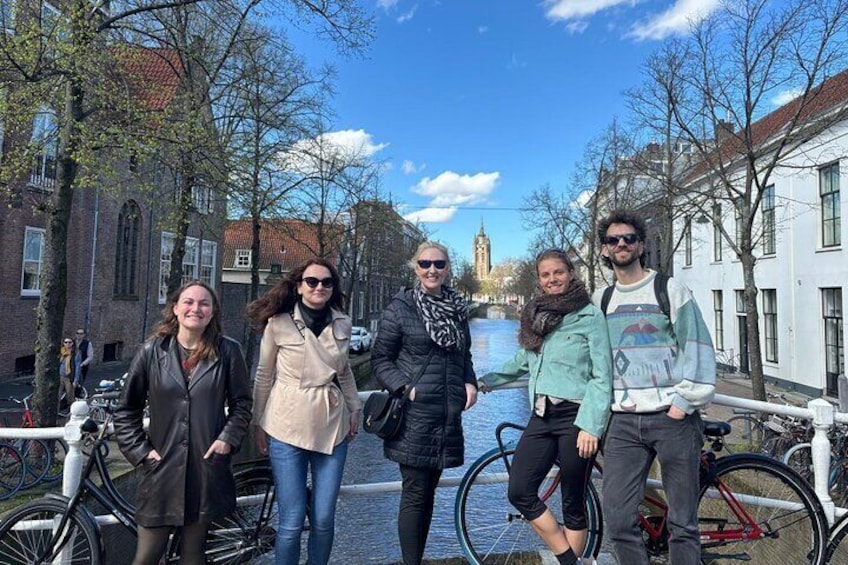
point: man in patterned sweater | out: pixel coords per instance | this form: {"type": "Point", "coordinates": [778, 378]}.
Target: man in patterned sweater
{"type": "Point", "coordinates": [663, 374]}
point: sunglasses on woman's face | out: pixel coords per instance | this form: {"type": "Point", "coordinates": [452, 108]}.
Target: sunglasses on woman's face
{"type": "Point", "coordinates": [312, 282]}
{"type": "Point", "coordinates": [68, 342]}
{"type": "Point", "coordinates": [438, 263]}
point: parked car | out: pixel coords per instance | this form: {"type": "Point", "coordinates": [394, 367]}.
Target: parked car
{"type": "Point", "coordinates": [360, 339]}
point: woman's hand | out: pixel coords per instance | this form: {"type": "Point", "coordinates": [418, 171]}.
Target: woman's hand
{"type": "Point", "coordinates": [587, 444]}
{"type": "Point", "coordinates": [218, 446]}
{"type": "Point", "coordinates": [483, 387]}
{"type": "Point", "coordinates": [470, 395]}
{"type": "Point", "coordinates": [154, 455]}
{"type": "Point", "coordinates": [260, 439]}
{"type": "Point", "coordinates": [354, 425]}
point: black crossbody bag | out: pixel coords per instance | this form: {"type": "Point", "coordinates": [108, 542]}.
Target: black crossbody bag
{"type": "Point", "coordinates": [383, 413]}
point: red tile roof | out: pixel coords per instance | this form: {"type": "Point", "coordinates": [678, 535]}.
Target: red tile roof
{"type": "Point", "coordinates": [284, 242]}
{"type": "Point", "coordinates": [153, 75]}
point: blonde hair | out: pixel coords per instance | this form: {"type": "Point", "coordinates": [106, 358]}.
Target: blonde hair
{"type": "Point", "coordinates": [429, 245]}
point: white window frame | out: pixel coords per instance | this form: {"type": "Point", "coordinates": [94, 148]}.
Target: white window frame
{"type": "Point", "coordinates": [199, 261]}
{"type": "Point", "coordinates": [44, 132]}
{"type": "Point", "coordinates": [201, 199]}
{"type": "Point", "coordinates": [243, 259]}
{"type": "Point", "coordinates": [767, 211]}
{"type": "Point", "coordinates": [830, 199]}
{"type": "Point", "coordinates": [37, 261]}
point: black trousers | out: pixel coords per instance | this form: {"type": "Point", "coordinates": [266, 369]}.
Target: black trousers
{"type": "Point", "coordinates": [416, 511]}
{"type": "Point", "coordinates": [545, 441]}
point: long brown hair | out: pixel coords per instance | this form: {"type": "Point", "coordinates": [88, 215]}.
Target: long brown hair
{"type": "Point", "coordinates": [283, 295]}
{"type": "Point", "coordinates": [170, 326]}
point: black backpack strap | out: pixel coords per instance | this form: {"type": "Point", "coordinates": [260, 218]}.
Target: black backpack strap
{"type": "Point", "coordinates": [605, 299]}
{"type": "Point", "coordinates": [661, 293]}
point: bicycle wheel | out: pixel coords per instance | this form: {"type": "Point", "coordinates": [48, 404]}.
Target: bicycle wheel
{"type": "Point", "coordinates": [27, 531]}
{"type": "Point", "coordinates": [777, 446]}
{"type": "Point", "coordinates": [838, 482]}
{"type": "Point", "coordinates": [59, 449]}
{"type": "Point", "coordinates": [759, 510]}
{"type": "Point", "coordinates": [11, 471]}
{"type": "Point", "coordinates": [491, 531]}
{"type": "Point", "coordinates": [837, 547]}
{"type": "Point", "coordinates": [249, 532]}
{"type": "Point", "coordinates": [37, 459]}
{"type": "Point", "coordinates": [800, 459]}
{"type": "Point", "coordinates": [747, 435]}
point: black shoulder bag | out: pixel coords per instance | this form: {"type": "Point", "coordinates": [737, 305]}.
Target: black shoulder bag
{"type": "Point", "coordinates": [383, 413]}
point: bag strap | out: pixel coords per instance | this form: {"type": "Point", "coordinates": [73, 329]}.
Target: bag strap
{"type": "Point", "coordinates": [415, 380]}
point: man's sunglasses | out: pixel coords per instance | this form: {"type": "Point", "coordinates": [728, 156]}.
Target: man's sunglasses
{"type": "Point", "coordinates": [613, 240]}
{"type": "Point", "coordinates": [312, 282]}
{"type": "Point", "coordinates": [438, 263]}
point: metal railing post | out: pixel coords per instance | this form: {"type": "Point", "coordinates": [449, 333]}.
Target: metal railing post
{"type": "Point", "coordinates": [73, 436]}
{"type": "Point", "coordinates": [823, 418]}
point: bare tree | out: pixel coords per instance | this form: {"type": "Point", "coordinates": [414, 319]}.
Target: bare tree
{"type": "Point", "coordinates": [465, 279]}
{"type": "Point", "coordinates": [737, 61]}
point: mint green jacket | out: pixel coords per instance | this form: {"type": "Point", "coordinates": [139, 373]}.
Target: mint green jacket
{"type": "Point", "coordinates": [574, 363]}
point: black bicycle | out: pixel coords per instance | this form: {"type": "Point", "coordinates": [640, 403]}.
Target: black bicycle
{"type": "Point", "coordinates": [55, 528]}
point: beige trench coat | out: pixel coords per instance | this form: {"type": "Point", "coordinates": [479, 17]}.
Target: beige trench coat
{"type": "Point", "coordinates": [295, 398]}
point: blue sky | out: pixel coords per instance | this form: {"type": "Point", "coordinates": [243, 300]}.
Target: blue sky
{"type": "Point", "coordinates": [473, 104]}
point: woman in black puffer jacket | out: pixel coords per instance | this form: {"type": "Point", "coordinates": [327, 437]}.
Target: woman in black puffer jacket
{"type": "Point", "coordinates": [428, 318]}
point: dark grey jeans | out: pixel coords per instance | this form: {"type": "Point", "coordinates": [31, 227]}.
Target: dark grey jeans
{"type": "Point", "coordinates": [632, 443]}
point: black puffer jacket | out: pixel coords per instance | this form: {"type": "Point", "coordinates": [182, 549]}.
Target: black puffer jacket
{"type": "Point", "coordinates": [431, 434]}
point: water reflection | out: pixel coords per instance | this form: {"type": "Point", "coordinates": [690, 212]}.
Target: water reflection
{"type": "Point", "coordinates": [367, 525]}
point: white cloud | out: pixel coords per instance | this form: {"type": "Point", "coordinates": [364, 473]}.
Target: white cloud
{"type": "Point", "coordinates": [431, 215]}
{"type": "Point", "coordinates": [354, 142]}
{"type": "Point", "coordinates": [674, 21]}
{"type": "Point", "coordinates": [348, 145]}
{"type": "Point", "coordinates": [405, 17]}
{"type": "Point", "coordinates": [452, 189]}
{"type": "Point", "coordinates": [567, 10]}
{"type": "Point", "coordinates": [786, 96]}
{"type": "Point", "coordinates": [576, 27]}
{"type": "Point", "coordinates": [515, 63]}
{"type": "Point", "coordinates": [387, 4]}
{"type": "Point", "coordinates": [482, 29]}
{"type": "Point", "coordinates": [410, 168]}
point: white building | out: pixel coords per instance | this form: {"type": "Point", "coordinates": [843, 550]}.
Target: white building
{"type": "Point", "coordinates": [801, 268]}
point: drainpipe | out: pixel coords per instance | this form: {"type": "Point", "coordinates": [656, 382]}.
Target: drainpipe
{"type": "Point", "coordinates": [93, 263]}
{"type": "Point", "coordinates": [147, 276]}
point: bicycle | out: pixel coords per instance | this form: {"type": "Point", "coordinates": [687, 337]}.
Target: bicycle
{"type": "Point", "coordinates": [11, 471]}
{"type": "Point", "coordinates": [837, 551]}
{"type": "Point", "coordinates": [752, 508]}
{"type": "Point", "coordinates": [759, 432]}
{"type": "Point", "coordinates": [55, 528]}
{"type": "Point", "coordinates": [37, 453]}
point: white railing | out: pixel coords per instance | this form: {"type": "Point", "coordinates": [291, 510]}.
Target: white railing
{"type": "Point", "coordinates": [822, 413]}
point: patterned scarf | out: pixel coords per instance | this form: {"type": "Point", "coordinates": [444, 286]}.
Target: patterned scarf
{"type": "Point", "coordinates": [546, 311]}
{"type": "Point", "coordinates": [442, 316]}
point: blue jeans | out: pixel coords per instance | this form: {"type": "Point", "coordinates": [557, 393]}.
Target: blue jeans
{"type": "Point", "coordinates": [632, 443]}
{"type": "Point", "coordinates": [289, 463]}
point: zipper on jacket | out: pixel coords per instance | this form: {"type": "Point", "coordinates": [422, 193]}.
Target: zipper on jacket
{"type": "Point", "coordinates": [445, 398]}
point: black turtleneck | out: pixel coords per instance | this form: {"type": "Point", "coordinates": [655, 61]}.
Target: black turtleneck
{"type": "Point", "coordinates": [315, 320]}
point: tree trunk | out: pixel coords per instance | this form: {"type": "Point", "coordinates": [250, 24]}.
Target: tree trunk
{"type": "Point", "coordinates": [752, 318]}
{"type": "Point", "coordinates": [256, 230]}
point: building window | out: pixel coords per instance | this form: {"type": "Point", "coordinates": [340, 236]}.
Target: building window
{"type": "Point", "coordinates": [687, 242]}
{"type": "Point", "coordinates": [717, 243]}
{"type": "Point", "coordinates": [834, 348]}
{"type": "Point", "coordinates": [7, 8]}
{"type": "Point", "coordinates": [831, 213]}
{"type": "Point", "coordinates": [33, 257]}
{"type": "Point", "coordinates": [770, 323]}
{"type": "Point", "coordinates": [767, 209]}
{"type": "Point", "coordinates": [45, 142]}
{"type": "Point", "coordinates": [201, 199]}
{"type": "Point", "coordinates": [193, 256]}
{"type": "Point", "coordinates": [718, 319]}
{"type": "Point", "coordinates": [740, 221]}
{"type": "Point", "coordinates": [243, 258]}
{"type": "Point", "coordinates": [127, 250]}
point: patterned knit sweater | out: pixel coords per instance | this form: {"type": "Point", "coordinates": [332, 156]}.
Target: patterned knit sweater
{"type": "Point", "coordinates": [658, 360]}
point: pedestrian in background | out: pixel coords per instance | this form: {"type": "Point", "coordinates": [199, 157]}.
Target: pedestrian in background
{"type": "Point", "coordinates": [306, 406]}
{"type": "Point", "coordinates": [565, 348]}
{"type": "Point", "coordinates": [84, 357]}
{"type": "Point", "coordinates": [194, 381]}
{"type": "Point", "coordinates": [67, 353]}
{"type": "Point", "coordinates": [424, 330]}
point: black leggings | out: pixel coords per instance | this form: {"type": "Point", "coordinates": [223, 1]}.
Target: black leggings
{"type": "Point", "coordinates": [153, 541]}
{"type": "Point", "coordinates": [545, 441]}
{"type": "Point", "coordinates": [416, 511]}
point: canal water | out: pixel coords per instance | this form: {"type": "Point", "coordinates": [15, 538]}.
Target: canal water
{"type": "Point", "coordinates": [366, 525]}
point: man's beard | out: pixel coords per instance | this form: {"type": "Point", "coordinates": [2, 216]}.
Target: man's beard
{"type": "Point", "coordinates": [632, 258]}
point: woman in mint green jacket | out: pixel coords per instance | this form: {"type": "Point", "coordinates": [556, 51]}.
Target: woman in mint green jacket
{"type": "Point", "coordinates": [565, 349]}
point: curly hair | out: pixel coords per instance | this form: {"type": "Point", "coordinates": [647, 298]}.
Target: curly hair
{"type": "Point", "coordinates": [283, 296]}
{"type": "Point", "coordinates": [628, 217]}
{"type": "Point", "coordinates": [170, 325]}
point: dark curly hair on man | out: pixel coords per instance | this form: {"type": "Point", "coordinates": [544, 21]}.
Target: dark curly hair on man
{"type": "Point", "coordinates": [628, 217]}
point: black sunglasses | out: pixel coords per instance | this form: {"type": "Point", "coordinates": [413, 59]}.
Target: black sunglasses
{"type": "Point", "coordinates": [312, 282]}
{"type": "Point", "coordinates": [68, 341]}
{"type": "Point", "coordinates": [613, 240]}
{"type": "Point", "coordinates": [438, 263]}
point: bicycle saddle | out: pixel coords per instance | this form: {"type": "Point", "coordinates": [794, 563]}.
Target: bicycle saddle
{"type": "Point", "coordinates": [716, 429]}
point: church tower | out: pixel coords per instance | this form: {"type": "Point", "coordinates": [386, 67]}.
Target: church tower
{"type": "Point", "coordinates": [482, 254]}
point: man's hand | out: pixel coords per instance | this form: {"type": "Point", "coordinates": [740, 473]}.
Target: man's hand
{"type": "Point", "coordinates": [676, 413]}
